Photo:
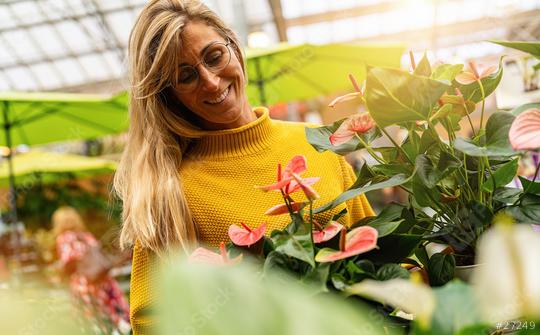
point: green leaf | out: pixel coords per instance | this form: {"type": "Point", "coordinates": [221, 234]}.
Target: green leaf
{"type": "Point", "coordinates": [518, 110]}
{"type": "Point", "coordinates": [393, 248]}
{"type": "Point", "coordinates": [456, 310]}
{"type": "Point", "coordinates": [446, 72]}
{"type": "Point", "coordinates": [507, 195]}
{"type": "Point", "coordinates": [395, 96]}
{"type": "Point", "coordinates": [319, 138]}
{"type": "Point", "coordinates": [353, 192]}
{"type": "Point", "coordinates": [295, 241]}
{"type": "Point", "coordinates": [423, 68]}
{"type": "Point", "coordinates": [441, 269]}
{"type": "Point", "coordinates": [443, 112]}
{"type": "Point", "coordinates": [421, 254]}
{"type": "Point", "coordinates": [472, 91]}
{"type": "Point", "coordinates": [431, 175]}
{"type": "Point", "coordinates": [388, 220]}
{"type": "Point", "coordinates": [532, 48]}
{"type": "Point", "coordinates": [390, 169]}
{"type": "Point", "coordinates": [360, 270]}
{"type": "Point", "coordinates": [530, 186]}
{"type": "Point", "coordinates": [502, 176]}
{"type": "Point", "coordinates": [497, 142]}
{"type": "Point", "coordinates": [391, 271]}
{"type": "Point", "coordinates": [528, 211]}
{"type": "Point", "coordinates": [423, 195]}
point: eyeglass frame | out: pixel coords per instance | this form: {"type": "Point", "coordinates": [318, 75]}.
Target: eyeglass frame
{"type": "Point", "coordinates": [202, 61]}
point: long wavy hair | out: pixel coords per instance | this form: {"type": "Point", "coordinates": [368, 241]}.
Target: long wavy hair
{"type": "Point", "coordinates": [155, 211]}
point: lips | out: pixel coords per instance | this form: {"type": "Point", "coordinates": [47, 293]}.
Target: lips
{"type": "Point", "coordinates": [219, 98]}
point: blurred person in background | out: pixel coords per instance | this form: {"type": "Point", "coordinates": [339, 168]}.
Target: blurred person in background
{"type": "Point", "coordinates": [196, 148]}
{"type": "Point", "coordinates": [87, 267]}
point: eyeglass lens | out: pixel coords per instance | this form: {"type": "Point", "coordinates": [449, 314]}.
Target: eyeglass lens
{"type": "Point", "coordinates": [215, 58]}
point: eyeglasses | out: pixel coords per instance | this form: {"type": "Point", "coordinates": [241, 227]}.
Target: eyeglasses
{"type": "Point", "coordinates": [215, 58]}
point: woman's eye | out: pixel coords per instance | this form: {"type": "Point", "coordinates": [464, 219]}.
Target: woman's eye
{"type": "Point", "coordinates": [187, 76]}
{"type": "Point", "coordinates": [214, 58]}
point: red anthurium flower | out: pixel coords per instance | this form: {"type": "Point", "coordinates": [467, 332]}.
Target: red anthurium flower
{"type": "Point", "coordinates": [357, 241]}
{"type": "Point", "coordinates": [205, 256]}
{"type": "Point", "coordinates": [282, 208]}
{"type": "Point", "coordinates": [357, 123]}
{"type": "Point", "coordinates": [246, 236]}
{"type": "Point", "coordinates": [326, 234]}
{"type": "Point", "coordinates": [350, 96]}
{"type": "Point", "coordinates": [477, 73]}
{"type": "Point", "coordinates": [305, 185]}
{"type": "Point", "coordinates": [524, 133]}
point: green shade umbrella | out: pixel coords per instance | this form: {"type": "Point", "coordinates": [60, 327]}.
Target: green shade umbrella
{"type": "Point", "coordinates": [288, 73]}
{"type": "Point", "coordinates": [37, 118]}
{"type": "Point", "coordinates": [48, 167]}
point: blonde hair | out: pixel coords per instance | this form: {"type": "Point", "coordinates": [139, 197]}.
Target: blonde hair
{"type": "Point", "coordinates": [67, 219]}
{"type": "Point", "coordinates": [155, 210]}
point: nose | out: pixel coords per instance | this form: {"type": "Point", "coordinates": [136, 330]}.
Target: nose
{"type": "Point", "coordinates": [208, 80]}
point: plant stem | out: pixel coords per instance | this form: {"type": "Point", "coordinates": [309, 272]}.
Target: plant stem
{"type": "Point", "coordinates": [483, 104]}
{"type": "Point", "coordinates": [370, 150]}
{"type": "Point", "coordinates": [396, 145]}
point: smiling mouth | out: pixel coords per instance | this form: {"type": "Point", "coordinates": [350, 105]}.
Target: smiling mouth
{"type": "Point", "coordinates": [220, 98]}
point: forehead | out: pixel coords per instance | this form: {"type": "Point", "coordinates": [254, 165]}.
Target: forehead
{"type": "Point", "coordinates": [195, 37]}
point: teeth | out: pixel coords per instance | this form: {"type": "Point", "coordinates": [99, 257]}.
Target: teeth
{"type": "Point", "coordinates": [220, 98]}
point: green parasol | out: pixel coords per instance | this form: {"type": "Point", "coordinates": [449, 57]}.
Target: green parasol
{"type": "Point", "coordinates": [290, 73]}
{"type": "Point", "coordinates": [49, 167]}
{"type": "Point", "coordinates": [37, 118]}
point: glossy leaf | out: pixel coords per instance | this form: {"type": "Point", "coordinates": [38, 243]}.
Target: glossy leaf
{"type": "Point", "coordinates": [472, 91]}
{"type": "Point", "coordinates": [395, 96]}
{"type": "Point", "coordinates": [394, 248]}
{"type": "Point", "coordinates": [518, 110]}
{"type": "Point", "coordinates": [319, 138]}
{"type": "Point", "coordinates": [354, 192]}
{"type": "Point", "coordinates": [295, 241]}
{"type": "Point", "coordinates": [502, 176]}
{"type": "Point", "coordinates": [423, 68]}
{"type": "Point", "coordinates": [532, 48]}
{"type": "Point", "coordinates": [441, 269]}
{"type": "Point", "coordinates": [446, 72]}
{"type": "Point", "coordinates": [530, 186]}
{"type": "Point", "coordinates": [392, 271]}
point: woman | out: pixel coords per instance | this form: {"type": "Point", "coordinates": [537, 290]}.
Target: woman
{"type": "Point", "coordinates": [196, 148]}
{"type": "Point", "coordinates": [102, 300]}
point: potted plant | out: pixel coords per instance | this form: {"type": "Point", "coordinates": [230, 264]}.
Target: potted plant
{"type": "Point", "coordinates": [455, 185]}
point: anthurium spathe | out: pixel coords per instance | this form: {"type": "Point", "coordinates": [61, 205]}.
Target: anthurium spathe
{"type": "Point", "coordinates": [350, 96]}
{"type": "Point", "coordinates": [476, 73]}
{"type": "Point", "coordinates": [245, 236]}
{"type": "Point", "coordinates": [509, 253]}
{"type": "Point", "coordinates": [355, 124]}
{"type": "Point", "coordinates": [355, 242]}
{"type": "Point", "coordinates": [524, 133]}
{"type": "Point", "coordinates": [285, 180]}
{"type": "Point", "coordinates": [411, 296]}
{"type": "Point", "coordinates": [282, 208]}
{"type": "Point", "coordinates": [305, 185]}
{"type": "Point", "coordinates": [327, 233]}
{"type": "Point", "coordinates": [204, 256]}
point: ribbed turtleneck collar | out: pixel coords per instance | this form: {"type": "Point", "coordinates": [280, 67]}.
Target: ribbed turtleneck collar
{"type": "Point", "coordinates": [247, 139]}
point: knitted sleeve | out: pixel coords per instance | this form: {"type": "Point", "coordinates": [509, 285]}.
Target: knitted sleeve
{"type": "Point", "coordinates": [359, 206]}
{"type": "Point", "coordinates": [144, 269]}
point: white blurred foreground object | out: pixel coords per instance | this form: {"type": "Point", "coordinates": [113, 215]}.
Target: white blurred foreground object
{"type": "Point", "coordinates": [508, 285]}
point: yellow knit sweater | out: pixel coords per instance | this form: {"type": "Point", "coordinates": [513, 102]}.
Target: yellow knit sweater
{"type": "Point", "coordinates": [219, 174]}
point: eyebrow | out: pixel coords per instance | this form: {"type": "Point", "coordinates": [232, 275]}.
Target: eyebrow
{"type": "Point", "coordinates": [202, 51]}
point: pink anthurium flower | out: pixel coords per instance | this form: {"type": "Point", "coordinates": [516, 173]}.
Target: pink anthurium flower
{"type": "Point", "coordinates": [326, 234]}
{"type": "Point", "coordinates": [282, 208]}
{"type": "Point", "coordinates": [305, 185]}
{"type": "Point", "coordinates": [536, 227]}
{"type": "Point", "coordinates": [357, 241]}
{"type": "Point", "coordinates": [205, 256]}
{"type": "Point", "coordinates": [245, 236]}
{"type": "Point", "coordinates": [358, 123]}
{"type": "Point", "coordinates": [477, 73]}
{"type": "Point", "coordinates": [297, 164]}
{"type": "Point", "coordinates": [350, 96]}
{"type": "Point", "coordinates": [286, 182]}
{"type": "Point", "coordinates": [524, 133]}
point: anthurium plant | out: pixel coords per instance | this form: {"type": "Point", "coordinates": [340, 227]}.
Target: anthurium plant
{"type": "Point", "coordinates": [455, 183]}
